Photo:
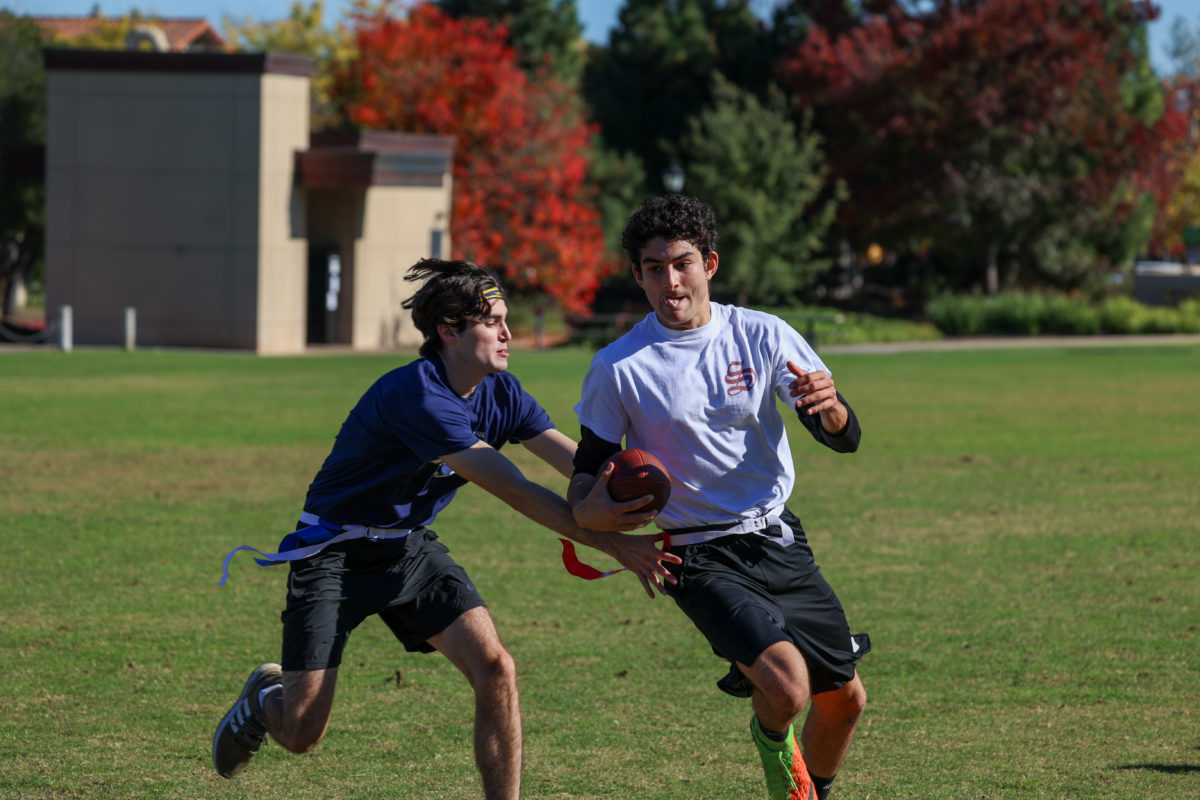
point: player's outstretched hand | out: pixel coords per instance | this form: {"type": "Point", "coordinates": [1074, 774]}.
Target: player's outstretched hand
{"type": "Point", "coordinates": [600, 512]}
{"type": "Point", "coordinates": [814, 391]}
{"type": "Point", "coordinates": [638, 554]}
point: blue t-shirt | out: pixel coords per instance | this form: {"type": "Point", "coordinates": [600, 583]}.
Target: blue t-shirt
{"type": "Point", "coordinates": [385, 470]}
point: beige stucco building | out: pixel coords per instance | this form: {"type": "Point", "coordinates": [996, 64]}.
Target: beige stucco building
{"type": "Point", "coordinates": [187, 187]}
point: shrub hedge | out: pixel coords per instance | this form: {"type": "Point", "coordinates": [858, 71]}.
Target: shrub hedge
{"type": "Point", "coordinates": [829, 326]}
{"type": "Point", "coordinates": [1031, 313]}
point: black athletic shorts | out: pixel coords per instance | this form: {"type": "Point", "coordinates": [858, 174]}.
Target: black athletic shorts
{"type": "Point", "coordinates": [413, 584]}
{"type": "Point", "coordinates": [745, 592]}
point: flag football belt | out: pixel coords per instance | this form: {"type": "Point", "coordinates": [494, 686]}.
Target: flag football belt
{"type": "Point", "coordinates": [317, 535]}
{"type": "Point", "coordinates": [681, 537]}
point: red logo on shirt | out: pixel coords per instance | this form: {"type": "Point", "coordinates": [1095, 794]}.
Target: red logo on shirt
{"type": "Point", "coordinates": [739, 378]}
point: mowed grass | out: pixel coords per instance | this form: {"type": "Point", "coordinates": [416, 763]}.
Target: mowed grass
{"type": "Point", "coordinates": [1020, 535]}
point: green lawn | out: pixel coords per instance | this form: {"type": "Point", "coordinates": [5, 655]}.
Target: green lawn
{"type": "Point", "coordinates": [1020, 535]}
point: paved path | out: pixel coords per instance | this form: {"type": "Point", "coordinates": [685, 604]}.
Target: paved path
{"type": "Point", "coordinates": [1009, 342]}
{"type": "Point", "coordinates": [963, 343]}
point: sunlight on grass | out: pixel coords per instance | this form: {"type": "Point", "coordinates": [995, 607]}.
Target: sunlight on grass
{"type": "Point", "coordinates": [1017, 534]}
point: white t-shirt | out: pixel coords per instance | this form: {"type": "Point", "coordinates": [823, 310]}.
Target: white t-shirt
{"type": "Point", "coordinates": [702, 401]}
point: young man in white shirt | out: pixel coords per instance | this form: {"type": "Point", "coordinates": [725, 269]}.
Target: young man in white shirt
{"type": "Point", "coordinates": [696, 383]}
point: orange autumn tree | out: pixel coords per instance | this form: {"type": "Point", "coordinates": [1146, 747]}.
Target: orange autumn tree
{"type": "Point", "coordinates": [522, 204]}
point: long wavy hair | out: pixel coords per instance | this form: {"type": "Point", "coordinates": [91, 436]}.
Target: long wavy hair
{"type": "Point", "coordinates": [455, 293]}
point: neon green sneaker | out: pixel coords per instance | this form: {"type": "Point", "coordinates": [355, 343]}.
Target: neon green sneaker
{"type": "Point", "coordinates": [783, 766]}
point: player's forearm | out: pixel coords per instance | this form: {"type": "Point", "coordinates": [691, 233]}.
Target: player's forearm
{"type": "Point", "coordinates": [542, 506]}
{"type": "Point", "coordinates": [555, 448]}
{"type": "Point", "coordinates": [549, 510]}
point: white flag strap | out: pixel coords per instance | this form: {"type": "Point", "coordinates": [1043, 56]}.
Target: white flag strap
{"type": "Point", "coordinates": [297, 553]}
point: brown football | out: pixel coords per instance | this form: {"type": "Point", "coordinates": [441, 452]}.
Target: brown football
{"type": "Point", "coordinates": [639, 473]}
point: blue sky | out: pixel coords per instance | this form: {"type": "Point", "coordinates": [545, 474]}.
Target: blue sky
{"type": "Point", "coordinates": [597, 16]}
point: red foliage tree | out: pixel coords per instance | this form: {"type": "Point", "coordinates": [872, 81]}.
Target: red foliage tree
{"type": "Point", "coordinates": [1008, 133]}
{"type": "Point", "coordinates": [522, 204]}
{"type": "Point", "coordinates": [1174, 177]}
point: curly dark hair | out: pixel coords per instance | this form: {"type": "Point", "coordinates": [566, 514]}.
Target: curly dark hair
{"type": "Point", "coordinates": [674, 217]}
{"type": "Point", "coordinates": [455, 293]}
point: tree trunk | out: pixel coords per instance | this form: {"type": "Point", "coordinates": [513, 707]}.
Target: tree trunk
{"type": "Point", "coordinates": [992, 278]}
{"type": "Point", "coordinates": [15, 295]}
{"type": "Point", "coordinates": [13, 269]}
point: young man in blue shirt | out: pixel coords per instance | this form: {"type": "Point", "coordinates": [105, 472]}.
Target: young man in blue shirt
{"type": "Point", "coordinates": [363, 546]}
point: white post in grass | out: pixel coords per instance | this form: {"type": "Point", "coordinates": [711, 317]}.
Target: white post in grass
{"type": "Point", "coordinates": [130, 329]}
{"type": "Point", "coordinates": [66, 334]}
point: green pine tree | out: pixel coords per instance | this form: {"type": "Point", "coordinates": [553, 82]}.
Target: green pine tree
{"type": "Point", "coordinates": [655, 72]}
{"type": "Point", "coordinates": [22, 123]}
{"type": "Point", "coordinates": [765, 178]}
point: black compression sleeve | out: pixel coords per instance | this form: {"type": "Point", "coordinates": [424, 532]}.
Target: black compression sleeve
{"type": "Point", "coordinates": [592, 451]}
{"type": "Point", "coordinates": [844, 442]}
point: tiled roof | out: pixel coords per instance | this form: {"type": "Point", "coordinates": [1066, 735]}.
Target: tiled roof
{"type": "Point", "coordinates": [182, 33]}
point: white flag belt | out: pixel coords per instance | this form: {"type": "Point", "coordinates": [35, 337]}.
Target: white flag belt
{"type": "Point", "coordinates": [312, 539]}
{"type": "Point", "coordinates": [681, 537]}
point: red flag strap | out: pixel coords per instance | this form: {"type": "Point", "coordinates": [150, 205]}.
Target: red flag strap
{"type": "Point", "coordinates": [589, 573]}
{"type": "Point", "coordinates": [580, 569]}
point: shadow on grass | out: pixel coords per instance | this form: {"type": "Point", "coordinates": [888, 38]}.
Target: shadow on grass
{"type": "Point", "coordinates": [1166, 769]}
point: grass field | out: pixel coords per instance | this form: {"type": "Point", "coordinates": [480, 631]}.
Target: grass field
{"type": "Point", "coordinates": [1020, 535]}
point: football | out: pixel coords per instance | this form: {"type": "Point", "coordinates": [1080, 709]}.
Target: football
{"type": "Point", "coordinates": [639, 473]}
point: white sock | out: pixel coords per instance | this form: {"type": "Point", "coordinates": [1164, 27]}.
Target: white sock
{"type": "Point", "coordinates": [262, 694]}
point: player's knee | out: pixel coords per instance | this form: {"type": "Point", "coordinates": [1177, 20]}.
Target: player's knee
{"type": "Point", "coordinates": [793, 700]}
{"type": "Point", "coordinates": [855, 703]}
{"type": "Point", "coordinates": [843, 706]}
{"type": "Point", "coordinates": [496, 672]}
{"type": "Point", "coordinates": [786, 693]}
{"type": "Point", "coordinates": [787, 699]}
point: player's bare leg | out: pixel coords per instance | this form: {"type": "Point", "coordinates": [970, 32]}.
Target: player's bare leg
{"type": "Point", "coordinates": [781, 690]}
{"type": "Point", "coordinates": [780, 679]}
{"type": "Point", "coordinates": [472, 644]}
{"type": "Point", "coordinates": [298, 716]}
{"type": "Point", "coordinates": [830, 726]}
